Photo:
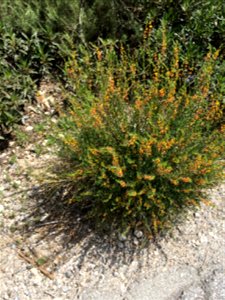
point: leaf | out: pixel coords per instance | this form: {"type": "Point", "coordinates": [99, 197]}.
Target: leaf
{"type": "Point", "coordinates": [142, 192]}
{"type": "Point", "coordinates": [41, 261]}
{"type": "Point", "coordinates": [147, 205]}
{"type": "Point", "coordinates": [132, 193]}
{"type": "Point", "coordinates": [108, 198]}
{"type": "Point", "coordinates": [151, 193]}
{"type": "Point", "coordinates": [130, 161]}
{"type": "Point", "coordinates": [149, 177]}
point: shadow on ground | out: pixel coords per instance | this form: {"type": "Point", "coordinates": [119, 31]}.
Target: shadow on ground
{"type": "Point", "coordinates": [53, 233]}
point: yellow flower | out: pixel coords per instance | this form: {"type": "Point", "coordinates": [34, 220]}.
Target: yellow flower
{"type": "Point", "coordinates": [186, 179]}
{"type": "Point", "coordinates": [157, 160]}
{"type": "Point", "coordinates": [146, 147]}
{"type": "Point", "coordinates": [174, 182]}
{"type": "Point", "coordinates": [186, 191]}
{"type": "Point", "coordinates": [201, 181]}
{"type": "Point", "coordinates": [148, 30]}
{"type": "Point", "coordinates": [162, 92]}
{"type": "Point", "coordinates": [122, 183]}
{"type": "Point", "coordinates": [133, 69]}
{"type": "Point", "coordinates": [149, 177]}
{"type": "Point", "coordinates": [138, 104]}
{"type": "Point", "coordinates": [99, 54]}
{"type": "Point", "coordinates": [215, 55]}
{"type": "Point", "coordinates": [132, 140]}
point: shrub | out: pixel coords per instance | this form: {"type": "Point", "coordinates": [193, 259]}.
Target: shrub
{"type": "Point", "coordinates": [195, 23]}
{"type": "Point", "coordinates": [139, 142]}
{"type": "Point", "coordinates": [24, 60]}
{"type": "Point", "coordinates": [15, 90]}
{"type": "Point", "coordinates": [16, 84]}
{"type": "Point", "coordinates": [40, 16]}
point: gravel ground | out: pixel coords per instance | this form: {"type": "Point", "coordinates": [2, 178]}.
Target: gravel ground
{"type": "Point", "coordinates": [45, 255]}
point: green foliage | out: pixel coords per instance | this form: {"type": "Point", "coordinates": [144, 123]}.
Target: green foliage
{"type": "Point", "coordinates": [138, 141]}
{"type": "Point", "coordinates": [28, 51]}
{"type": "Point", "coordinates": [195, 23]}
{"type": "Point", "coordinates": [40, 16]}
{"type": "Point", "coordinates": [16, 84]}
{"type": "Point", "coordinates": [15, 89]}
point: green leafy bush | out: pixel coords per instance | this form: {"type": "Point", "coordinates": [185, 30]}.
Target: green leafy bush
{"type": "Point", "coordinates": [195, 23]}
{"type": "Point", "coordinates": [35, 40]}
{"type": "Point", "coordinates": [24, 61]}
{"type": "Point", "coordinates": [16, 84]}
{"type": "Point", "coordinates": [15, 90]}
{"type": "Point", "coordinates": [30, 16]}
{"type": "Point", "coordinates": [138, 141]}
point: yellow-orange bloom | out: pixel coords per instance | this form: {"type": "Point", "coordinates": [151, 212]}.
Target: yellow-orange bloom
{"type": "Point", "coordinates": [149, 177]}
{"type": "Point", "coordinates": [215, 55]}
{"type": "Point", "coordinates": [132, 140]}
{"type": "Point", "coordinates": [162, 92]}
{"type": "Point", "coordinates": [174, 182]}
{"type": "Point", "coordinates": [186, 179]}
{"type": "Point", "coordinates": [122, 183]}
{"type": "Point", "coordinates": [99, 54]}
{"type": "Point", "coordinates": [119, 172]}
{"type": "Point", "coordinates": [138, 104]}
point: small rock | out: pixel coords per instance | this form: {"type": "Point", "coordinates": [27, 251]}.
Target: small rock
{"type": "Point", "coordinates": [37, 277]}
{"type": "Point", "coordinates": [138, 234]}
{"type": "Point", "coordinates": [43, 218]}
{"type": "Point", "coordinates": [197, 215]}
{"type": "Point", "coordinates": [68, 274]}
{"type": "Point", "coordinates": [65, 289]}
{"type": "Point", "coordinates": [115, 274]}
{"type": "Point", "coordinates": [1, 208]}
{"type": "Point", "coordinates": [35, 272]}
{"type": "Point", "coordinates": [203, 239]}
{"type": "Point", "coordinates": [120, 245]}
{"type": "Point", "coordinates": [29, 128]}
{"type": "Point", "coordinates": [24, 119]}
{"type": "Point", "coordinates": [14, 246]}
{"type": "Point", "coordinates": [122, 238]}
{"type": "Point", "coordinates": [127, 244]}
{"type": "Point", "coordinates": [135, 241]}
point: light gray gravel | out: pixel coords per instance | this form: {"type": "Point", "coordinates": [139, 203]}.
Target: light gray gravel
{"type": "Point", "coordinates": [187, 265]}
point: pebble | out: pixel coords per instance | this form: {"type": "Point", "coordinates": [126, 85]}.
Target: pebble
{"type": "Point", "coordinates": [29, 128]}
{"type": "Point", "coordinates": [43, 218]}
{"type": "Point", "coordinates": [68, 274]}
{"type": "Point", "coordinates": [138, 234]}
{"type": "Point", "coordinates": [1, 208]}
{"type": "Point", "coordinates": [203, 239]}
{"type": "Point", "coordinates": [122, 237]}
{"type": "Point", "coordinates": [120, 245]}
{"type": "Point", "coordinates": [115, 274]}
{"type": "Point", "coordinates": [135, 242]}
{"type": "Point", "coordinates": [36, 273]}
{"type": "Point", "coordinates": [65, 289]}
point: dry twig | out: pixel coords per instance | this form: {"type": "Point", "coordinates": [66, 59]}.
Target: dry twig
{"type": "Point", "coordinates": [33, 263]}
